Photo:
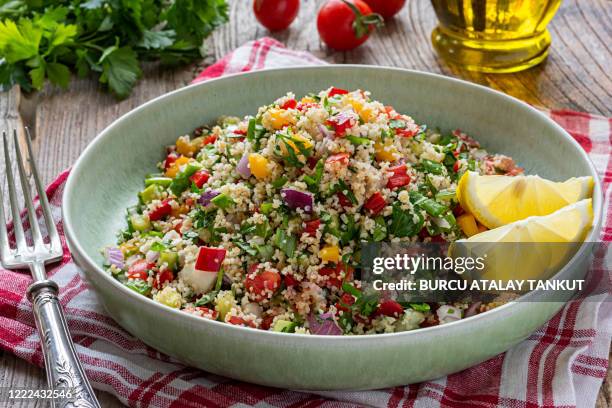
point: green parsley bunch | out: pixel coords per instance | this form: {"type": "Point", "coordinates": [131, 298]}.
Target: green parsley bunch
{"type": "Point", "coordinates": [47, 39]}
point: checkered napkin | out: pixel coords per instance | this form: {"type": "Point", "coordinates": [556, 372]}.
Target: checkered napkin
{"type": "Point", "coordinates": [560, 365]}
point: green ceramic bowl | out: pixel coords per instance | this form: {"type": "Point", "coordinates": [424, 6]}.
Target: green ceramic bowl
{"type": "Point", "coordinates": [108, 174]}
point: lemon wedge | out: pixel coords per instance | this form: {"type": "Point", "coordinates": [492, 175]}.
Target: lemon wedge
{"type": "Point", "coordinates": [500, 200]}
{"type": "Point", "coordinates": [533, 248]}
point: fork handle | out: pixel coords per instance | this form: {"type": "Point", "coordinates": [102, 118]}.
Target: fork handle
{"type": "Point", "coordinates": [64, 371]}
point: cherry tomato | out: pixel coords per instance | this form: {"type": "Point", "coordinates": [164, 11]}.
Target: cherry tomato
{"type": "Point", "coordinates": [344, 25]}
{"type": "Point", "coordinates": [276, 15]}
{"type": "Point", "coordinates": [386, 8]}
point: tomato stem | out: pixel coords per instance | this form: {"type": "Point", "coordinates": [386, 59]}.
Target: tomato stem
{"type": "Point", "coordinates": [363, 24]}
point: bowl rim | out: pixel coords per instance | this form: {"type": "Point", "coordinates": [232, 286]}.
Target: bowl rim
{"type": "Point", "coordinates": [75, 246]}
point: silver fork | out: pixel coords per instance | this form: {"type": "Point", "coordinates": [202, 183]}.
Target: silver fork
{"type": "Point", "coordinates": [65, 375]}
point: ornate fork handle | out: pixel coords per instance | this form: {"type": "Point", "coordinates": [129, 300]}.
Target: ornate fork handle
{"type": "Point", "coordinates": [64, 371]}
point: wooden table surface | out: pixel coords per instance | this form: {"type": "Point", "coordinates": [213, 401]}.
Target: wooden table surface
{"type": "Point", "coordinates": [577, 75]}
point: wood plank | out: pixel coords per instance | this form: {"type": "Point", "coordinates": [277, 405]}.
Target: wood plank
{"type": "Point", "coordinates": [577, 75]}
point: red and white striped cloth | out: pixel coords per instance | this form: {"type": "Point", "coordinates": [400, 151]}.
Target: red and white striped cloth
{"type": "Point", "coordinates": [561, 365]}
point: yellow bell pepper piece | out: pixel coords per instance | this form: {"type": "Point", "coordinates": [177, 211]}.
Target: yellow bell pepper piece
{"type": "Point", "coordinates": [184, 147]}
{"type": "Point", "coordinates": [259, 166]}
{"type": "Point", "coordinates": [467, 222]}
{"type": "Point", "coordinates": [385, 152]}
{"type": "Point", "coordinates": [307, 99]}
{"type": "Point", "coordinates": [176, 166]}
{"type": "Point", "coordinates": [279, 118]}
{"type": "Point", "coordinates": [330, 253]}
{"type": "Point", "coordinates": [305, 143]}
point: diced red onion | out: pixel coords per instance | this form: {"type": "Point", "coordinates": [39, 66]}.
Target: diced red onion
{"type": "Point", "coordinates": [324, 324]}
{"type": "Point", "coordinates": [243, 166]}
{"type": "Point", "coordinates": [473, 309]}
{"type": "Point", "coordinates": [298, 199]}
{"type": "Point", "coordinates": [114, 257]}
{"type": "Point", "coordinates": [152, 256]}
{"type": "Point", "coordinates": [207, 196]}
{"type": "Point", "coordinates": [325, 131]}
{"type": "Point", "coordinates": [343, 117]}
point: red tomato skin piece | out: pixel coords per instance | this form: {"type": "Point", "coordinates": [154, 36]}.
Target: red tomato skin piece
{"type": "Point", "coordinates": [336, 91]}
{"type": "Point", "coordinates": [160, 212]}
{"type": "Point", "coordinates": [200, 178]}
{"type": "Point", "coordinates": [210, 259]}
{"type": "Point", "coordinates": [311, 227]}
{"type": "Point", "coordinates": [376, 203]}
{"type": "Point", "coordinates": [390, 308]}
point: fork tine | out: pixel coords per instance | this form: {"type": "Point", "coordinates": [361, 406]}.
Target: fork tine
{"type": "Point", "coordinates": [54, 238]}
{"type": "Point", "coordinates": [17, 227]}
{"type": "Point", "coordinates": [27, 196]}
{"type": "Point", "coordinates": [5, 249]}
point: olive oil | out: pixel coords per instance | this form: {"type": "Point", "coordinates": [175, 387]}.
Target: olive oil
{"type": "Point", "coordinates": [493, 35]}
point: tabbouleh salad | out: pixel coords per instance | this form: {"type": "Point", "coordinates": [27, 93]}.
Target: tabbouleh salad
{"type": "Point", "coordinates": [257, 222]}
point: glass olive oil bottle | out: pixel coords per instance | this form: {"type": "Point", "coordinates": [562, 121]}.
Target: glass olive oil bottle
{"type": "Point", "coordinates": [493, 35]}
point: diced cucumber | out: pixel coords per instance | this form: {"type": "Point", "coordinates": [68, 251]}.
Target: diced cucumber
{"type": "Point", "coordinates": [140, 222]}
{"type": "Point", "coordinates": [150, 193]}
{"type": "Point", "coordinates": [284, 326]}
{"type": "Point", "coordinates": [160, 181]}
{"type": "Point", "coordinates": [168, 257]}
{"type": "Point", "coordinates": [222, 201]}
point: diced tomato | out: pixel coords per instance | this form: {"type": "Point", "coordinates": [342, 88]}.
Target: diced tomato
{"type": "Point", "coordinates": [164, 276]}
{"type": "Point", "coordinates": [311, 227]}
{"type": "Point", "coordinates": [344, 200]}
{"type": "Point", "coordinates": [399, 177]}
{"type": "Point", "coordinates": [337, 91]}
{"type": "Point", "coordinates": [266, 322]}
{"type": "Point", "coordinates": [346, 300]}
{"type": "Point", "coordinates": [178, 226]}
{"type": "Point", "coordinates": [341, 158]}
{"type": "Point", "coordinates": [435, 238]}
{"type": "Point", "coordinates": [457, 166]}
{"type": "Point", "coordinates": [200, 178]}
{"type": "Point", "coordinates": [406, 132]}
{"type": "Point", "coordinates": [208, 313]}
{"type": "Point", "coordinates": [239, 132]}
{"type": "Point", "coordinates": [210, 259]}
{"type": "Point", "coordinates": [290, 281]}
{"type": "Point", "coordinates": [289, 104]}
{"type": "Point", "coordinates": [389, 110]}
{"type": "Point", "coordinates": [390, 308]}
{"type": "Point", "coordinates": [335, 275]}
{"type": "Point", "coordinates": [301, 106]}
{"type": "Point", "coordinates": [376, 203]}
{"type": "Point", "coordinates": [163, 210]}
{"type": "Point", "coordinates": [239, 321]}
{"type": "Point", "coordinates": [341, 123]}
{"type": "Point", "coordinates": [262, 285]}
{"type": "Point", "coordinates": [209, 139]}
{"type": "Point", "coordinates": [139, 269]}
{"type": "Point", "coordinates": [170, 159]}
